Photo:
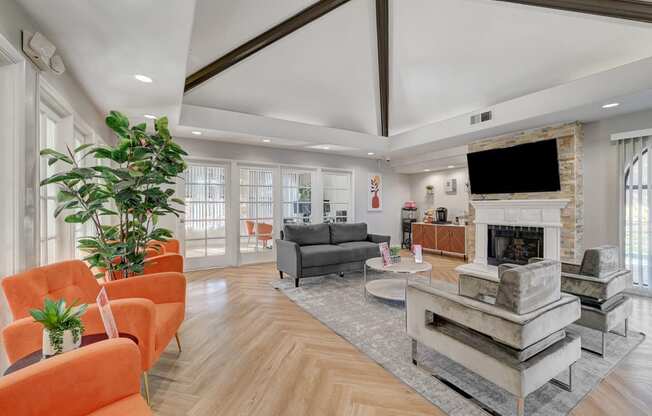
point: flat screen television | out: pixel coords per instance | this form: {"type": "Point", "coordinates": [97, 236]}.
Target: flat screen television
{"type": "Point", "coordinates": [531, 167]}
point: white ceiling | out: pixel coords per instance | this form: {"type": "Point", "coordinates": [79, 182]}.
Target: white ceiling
{"type": "Point", "coordinates": [451, 57]}
{"type": "Point", "coordinates": [104, 43]}
{"type": "Point", "coordinates": [322, 74]}
{"type": "Point", "coordinates": [319, 85]}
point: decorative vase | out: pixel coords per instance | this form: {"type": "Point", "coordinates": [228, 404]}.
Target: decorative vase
{"type": "Point", "coordinates": [67, 342]}
{"type": "Point", "coordinates": [375, 201]}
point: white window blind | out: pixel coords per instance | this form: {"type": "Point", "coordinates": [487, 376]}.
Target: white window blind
{"type": "Point", "coordinates": [635, 202]}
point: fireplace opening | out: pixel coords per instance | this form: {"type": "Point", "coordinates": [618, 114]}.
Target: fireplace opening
{"type": "Point", "coordinates": [508, 244]}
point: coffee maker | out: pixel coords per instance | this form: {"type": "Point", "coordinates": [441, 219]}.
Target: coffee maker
{"type": "Point", "coordinates": [441, 215]}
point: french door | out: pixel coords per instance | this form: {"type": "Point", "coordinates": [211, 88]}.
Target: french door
{"type": "Point", "coordinates": [204, 223]}
{"type": "Point", "coordinates": [257, 228]}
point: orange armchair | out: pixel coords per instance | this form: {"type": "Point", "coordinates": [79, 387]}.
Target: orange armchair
{"type": "Point", "coordinates": [102, 378]}
{"type": "Point", "coordinates": [163, 256]}
{"type": "Point", "coordinates": [149, 307]}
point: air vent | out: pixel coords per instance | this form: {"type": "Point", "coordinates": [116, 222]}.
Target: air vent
{"type": "Point", "coordinates": [481, 118]}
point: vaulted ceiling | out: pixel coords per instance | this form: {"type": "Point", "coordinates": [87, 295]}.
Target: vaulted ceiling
{"type": "Point", "coordinates": [318, 86]}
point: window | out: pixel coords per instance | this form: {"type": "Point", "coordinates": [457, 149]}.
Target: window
{"type": "Point", "coordinates": [80, 230]}
{"type": "Point", "coordinates": [637, 210]}
{"type": "Point", "coordinates": [256, 209]}
{"type": "Point", "coordinates": [297, 196]}
{"type": "Point", "coordinates": [337, 196]}
{"type": "Point", "coordinates": [205, 211]}
{"type": "Point", "coordinates": [48, 194]}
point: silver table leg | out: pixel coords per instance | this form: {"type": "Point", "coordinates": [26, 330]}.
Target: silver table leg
{"type": "Point", "coordinates": [364, 282]}
{"type": "Point", "coordinates": [414, 351]}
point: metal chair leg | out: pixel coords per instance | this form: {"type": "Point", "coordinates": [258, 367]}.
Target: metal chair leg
{"type": "Point", "coordinates": [176, 336]}
{"type": "Point", "coordinates": [414, 352]}
{"type": "Point", "coordinates": [565, 386]}
{"type": "Point", "coordinates": [146, 383]}
{"type": "Point", "coordinates": [520, 406]}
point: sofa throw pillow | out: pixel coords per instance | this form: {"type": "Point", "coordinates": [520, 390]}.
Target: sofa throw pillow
{"type": "Point", "coordinates": [344, 233]}
{"type": "Point", "coordinates": [306, 235]}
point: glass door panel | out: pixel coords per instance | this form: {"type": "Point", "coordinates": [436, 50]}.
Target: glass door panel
{"type": "Point", "coordinates": [256, 209]}
{"type": "Point", "coordinates": [205, 216]}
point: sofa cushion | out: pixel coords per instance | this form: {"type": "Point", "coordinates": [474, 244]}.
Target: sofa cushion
{"type": "Point", "coordinates": [600, 261]}
{"type": "Point", "coordinates": [361, 250]}
{"type": "Point", "coordinates": [343, 233]}
{"type": "Point", "coordinates": [599, 288]}
{"type": "Point", "coordinates": [323, 255]}
{"type": "Point", "coordinates": [524, 289]}
{"type": "Point", "coordinates": [306, 235]}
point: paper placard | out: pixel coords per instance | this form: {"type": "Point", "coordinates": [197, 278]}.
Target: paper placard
{"type": "Point", "coordinates": [418, 253]}
{"type": "Point", "coordinates": [384, 253]}
{"type": "Point", "coordinates": [106, 314]}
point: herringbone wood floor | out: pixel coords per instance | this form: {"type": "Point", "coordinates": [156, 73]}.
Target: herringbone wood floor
{"type": "Point", "coordinates": [248, 350]}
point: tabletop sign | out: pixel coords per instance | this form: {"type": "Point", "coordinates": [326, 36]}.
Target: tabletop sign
{"type": "Point", "coordinates": [418, 253]}
{"type": "Point", "coordinates": [106, 314]}
{"type": "Point", "coordinates": [384, 253]}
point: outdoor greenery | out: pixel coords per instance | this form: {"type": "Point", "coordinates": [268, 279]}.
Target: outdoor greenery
{"type": "Point", "coordinates": [124, 198]}
{"type": "Point", "coordinates": [56, 317]}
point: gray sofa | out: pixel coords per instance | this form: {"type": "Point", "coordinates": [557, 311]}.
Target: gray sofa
{"type": "Point", "coordinates": [515, 339]}
{"type": "Point", "coordinates": [319, 249]}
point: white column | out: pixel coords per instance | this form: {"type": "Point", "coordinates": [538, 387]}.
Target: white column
{"type": "Point", "coordinates": [552, 243]}
{"type": "Point", "coordinates": [481, 236]}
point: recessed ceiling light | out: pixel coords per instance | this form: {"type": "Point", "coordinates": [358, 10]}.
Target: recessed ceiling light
{"type": "Point", "coordinates": [611, 105]}
{"type": "Point", "coordinates": [426, 170]}
{"type": "Point", "coordinates": [196, 133]}
{"type": "Point", "coordinates": [143, 78]}
{"type": "Point", "coordinates": [150, 116]}
{"type": "Point", "coordinates": [451, 166]}
{"type": "Point", "coordinates": [371, 153]}
{"type": "Point", "coordinates": [267, 140]}
{"type": "Point", "coordinates": [325, 147]}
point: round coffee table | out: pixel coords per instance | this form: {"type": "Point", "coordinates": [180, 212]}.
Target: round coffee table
{"type": "Point", "coordinates": [37, 356]}
{"type": "Point", "coordinates": [393, 289]}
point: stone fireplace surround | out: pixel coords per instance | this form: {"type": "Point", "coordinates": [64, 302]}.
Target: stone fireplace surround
{"type": "Point", "coordinates": [544, 213]}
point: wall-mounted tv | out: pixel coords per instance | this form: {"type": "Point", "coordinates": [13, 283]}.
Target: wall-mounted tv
{"type": "Point", "coordinates": [531, 167]}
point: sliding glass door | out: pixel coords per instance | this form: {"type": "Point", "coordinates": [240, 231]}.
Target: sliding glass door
{"type": "Point", "coordinates": [205, 216]}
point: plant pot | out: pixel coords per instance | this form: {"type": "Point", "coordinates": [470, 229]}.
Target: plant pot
{"type": "Point", "coordinates": [67, 342]}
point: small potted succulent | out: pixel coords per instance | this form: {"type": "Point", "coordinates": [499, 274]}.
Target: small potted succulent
{"type": "Point", "coordinates": [62, 326]}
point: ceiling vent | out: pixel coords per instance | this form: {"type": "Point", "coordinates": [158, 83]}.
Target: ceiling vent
{"type": "Point", "coordinates": [481, 118]}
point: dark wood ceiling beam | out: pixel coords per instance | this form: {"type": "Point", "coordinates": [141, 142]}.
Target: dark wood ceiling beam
{"type": "Point", "coordinates": [382, 37]}
{"type": "Point", "coordinates": [637, 10]}
{"type": "Point", "coordinates": [279, 31]}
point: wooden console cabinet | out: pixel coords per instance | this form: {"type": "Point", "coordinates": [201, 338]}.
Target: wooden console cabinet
{"type": "Point", "coordinates": [440, 237]}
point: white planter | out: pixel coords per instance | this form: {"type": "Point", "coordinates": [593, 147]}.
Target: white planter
{"type": "Point", "coordinates": [68, 343]}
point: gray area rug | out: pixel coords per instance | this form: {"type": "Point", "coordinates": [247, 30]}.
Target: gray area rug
{"type": "Point", "coordinates": [377, 328]}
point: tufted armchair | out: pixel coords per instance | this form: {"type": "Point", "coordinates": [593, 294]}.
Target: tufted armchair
{"type": "Point", "coordinates": [149, 307]}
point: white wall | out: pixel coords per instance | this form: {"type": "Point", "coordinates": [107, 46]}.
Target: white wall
{"type": "Point", "coordinates": [457, 203]}
{"type": "Point", "coordinates": [13, 19]}
{"type": "Point", "coordinates": [396, 188]}
{"type": "Point", "coordinates": [601, 185]}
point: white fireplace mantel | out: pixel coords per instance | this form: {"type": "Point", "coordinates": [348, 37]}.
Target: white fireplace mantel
{"type": "Point", "coordinates": [543, 213]}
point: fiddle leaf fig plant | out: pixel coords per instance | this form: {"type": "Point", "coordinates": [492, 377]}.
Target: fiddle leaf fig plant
{"type": "Point", "coordinates": [122, 198]}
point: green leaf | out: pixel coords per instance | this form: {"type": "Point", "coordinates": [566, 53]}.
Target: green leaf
{"type": "Point", "coordinates": [82, 147]}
